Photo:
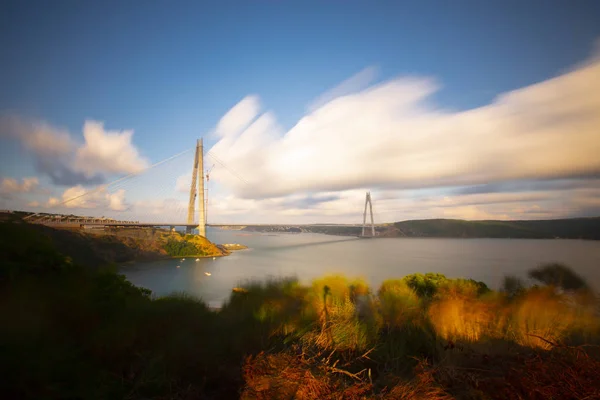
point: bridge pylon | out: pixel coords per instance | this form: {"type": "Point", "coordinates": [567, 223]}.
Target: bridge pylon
{"type": "Point", "coordinates": [197, 191]}
{"type": "Point", "coordinates": [368, 201]}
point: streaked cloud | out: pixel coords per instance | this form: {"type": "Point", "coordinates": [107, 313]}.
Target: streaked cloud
{"type": "Point", "coordinates": [351, 85]}
{"type": "Point", "coordinates": [239, 117]}
{"type": "Point", "coordinates": [530, 154]}
{"type": "Point", "coordinates": [391, 136]}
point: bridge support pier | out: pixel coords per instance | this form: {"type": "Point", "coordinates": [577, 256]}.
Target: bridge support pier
{"type": "Point", "coordinates": [368, 201]}
{"type": "Point", "coordinates": [197, 190]}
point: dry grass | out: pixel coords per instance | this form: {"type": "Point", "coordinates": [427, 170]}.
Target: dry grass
{"type": "Point", "coordinates": [475, 341]}
{"type": "Point", "coordinates": [293, 376]}
{"type": "Point", "coordinates": [422, 387]}
{"type": "Point", "coordinates": [561, 373]}
{"type": "Point", "coordinates": [540, 312]}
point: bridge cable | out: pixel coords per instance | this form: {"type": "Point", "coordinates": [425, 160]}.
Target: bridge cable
{"type": "Point", "coordinates": [233, 172]}
{"type": "Point", "coordinates": [116, 181]}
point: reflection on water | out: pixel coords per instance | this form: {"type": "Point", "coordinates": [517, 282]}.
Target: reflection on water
{"type": "Point", "coordinates": [308, 256]}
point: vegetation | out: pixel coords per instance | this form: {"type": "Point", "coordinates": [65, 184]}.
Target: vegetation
{"type": "Point", "coordinates": [559, 276]}
{"type": "Point", "coordinates": [101, 248]}
{"type": "Point", "coordinates": [76, 332]}
{"type": "Point", "coordinates": [178, 248]}
{"type": "Point", "coordinates": [178, 244]}
{"type": "Point", "coordinates": [575, 228]}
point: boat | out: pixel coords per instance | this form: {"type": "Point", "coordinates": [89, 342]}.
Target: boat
{"type": "Point", "coordinates": [197, 259]}
{"type": "Point", "coordinates": [214, 258]}
{"type": "Point", "coordinates": [183, 259]}
{"type": "Point", "coordinates": [207, 274]}
{"type": "Point", "coordinates": [178, 266]}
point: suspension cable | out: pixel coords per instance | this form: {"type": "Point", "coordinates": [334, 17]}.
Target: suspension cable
{"type": "Point", "coordinates": [115, 182]}
{"type": "Point", "coordinates": [233, 172]}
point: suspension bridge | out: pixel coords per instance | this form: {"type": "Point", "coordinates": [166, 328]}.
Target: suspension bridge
{"type": "Point", "coordinates": [196, 210]}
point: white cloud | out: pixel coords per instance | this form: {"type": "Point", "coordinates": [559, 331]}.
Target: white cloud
{"type": "Point", "coordinates": [107, 151]}
{"type": "Point", "coordinates": [37, 136]}
{"type": "Point", "coordinates": [68, 163]}
{"type": "Point", "coordinates": [116, 201]}
{"type": "Point", "coordinates": [388, 136]}
{"type": "Point", "coordinates": [239, 117]}
{"type": "Point", "coordinates": [11, 185]}
{"type": "Point", "coordinates": [33, 204]}
{"type": "Point", "coordinates": [78, 197]}
{"type": "Point", "coordinates": [52, 202]}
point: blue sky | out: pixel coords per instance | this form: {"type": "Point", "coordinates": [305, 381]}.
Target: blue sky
{"type": "Point", "coordinates": [170, 71]}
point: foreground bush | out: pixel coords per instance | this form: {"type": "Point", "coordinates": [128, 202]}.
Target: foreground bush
{"type": "Point", "coordinates": [72, 332]}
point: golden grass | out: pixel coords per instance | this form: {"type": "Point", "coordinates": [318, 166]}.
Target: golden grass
{"type": "Point", "coordinates": [336, 312]}
{"type": "Point", "coordinates": [538, 313]}
{"type": "Point", "coordinates": [541, 313]}
{"type": "Point", "coordinates": [461, 319]}
{"type": "Point", "coordinates": [398, 304]}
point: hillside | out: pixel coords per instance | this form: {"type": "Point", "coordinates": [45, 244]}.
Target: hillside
{"type": "Point", "coordinates": [98, 248]}
{"type": "Point", "coordinates": [575, 228]}
{"type": "Point", "coordinates": [87, 333]}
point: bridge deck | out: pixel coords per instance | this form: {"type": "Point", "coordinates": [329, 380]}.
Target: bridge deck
{"type": "Point", "coordinates": [151, 224]}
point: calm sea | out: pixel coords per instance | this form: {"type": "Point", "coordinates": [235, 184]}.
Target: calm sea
{"type": "Point", "coordinates": [308, 256]}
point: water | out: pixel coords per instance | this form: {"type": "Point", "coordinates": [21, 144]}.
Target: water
{"type": "Point", "coordinates": [308, 256]}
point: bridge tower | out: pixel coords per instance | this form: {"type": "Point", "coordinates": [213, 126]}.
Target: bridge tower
{"type": "Point", "coordinates": [197, 190]}
{"type": "Point", "coordinates": [368, 201]}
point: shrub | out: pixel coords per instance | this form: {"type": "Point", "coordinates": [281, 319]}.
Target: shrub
{"type": "Point", "coordinates": [542, 313]}
{"type": "Point", "coordinates": [558, 275]}
{"type": "Point", "coordinates": [464, 318]}
{"type": "Point", "coordinates": [425, 285]}
{"type": "Point", "coordinates": [181, 248]}
{"type": "Point", "coordinates": [343, 313]}
{"type": "Point", "coordinates": [513, 286]}
{"type": "Point", "coordinates": [398, 303]}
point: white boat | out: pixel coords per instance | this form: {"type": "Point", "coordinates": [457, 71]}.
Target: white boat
{"type": "Point", "coordinates": [178, 266]}
{"type": "Point", "coordinates": [207, 274]}
{"type": "Point", "coordinates": [183, 259]}
{"type": "Point", "coordinates": [197, 259]}
{"type": "Point", "coordinates": [214, 258]}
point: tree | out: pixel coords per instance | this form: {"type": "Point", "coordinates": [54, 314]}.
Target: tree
{"type": "Point", "coordinates": [558, 275]}
{"type": "Point", "coordinates": [512, 286]}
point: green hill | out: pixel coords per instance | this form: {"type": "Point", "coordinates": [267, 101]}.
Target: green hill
{"type": "Point", "coordinates": [575, 228]}
{"type": "Point", "coordinates": [99, 248]}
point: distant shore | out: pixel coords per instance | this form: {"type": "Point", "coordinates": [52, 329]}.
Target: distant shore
{"type": "Point", "coordinates": [572, 228]}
